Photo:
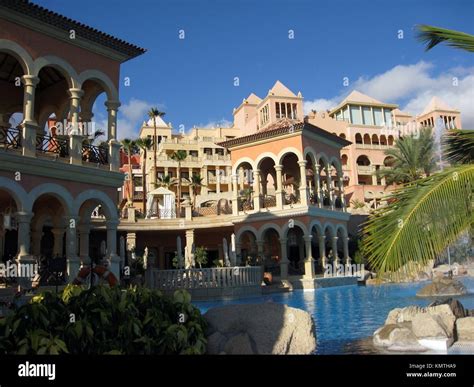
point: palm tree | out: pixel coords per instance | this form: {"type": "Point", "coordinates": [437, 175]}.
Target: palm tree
{"type": "Point", "coordinates": [166, 181]}
{"type": "Point", "coordinates": [412, 158]}
{"type": "Point", "coordinates": [423, 218]}
{"type": "Point", "coordinates": [195, 184]}
{"type": "Point", "coordinates": [179, 156]}
{"type": "Point", "coordinates": [129, 146]}
{"type": "Point", "coordinates": [144, 144]}
{"type": "Point", "coordinates": [153, 113]}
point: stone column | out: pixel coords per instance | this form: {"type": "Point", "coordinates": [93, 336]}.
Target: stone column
{"type": "Point", "coordinates": [84, 230]}
{"type": "Point", "coordinates": [260, 254]}
{"type": "Point", "coordinates": [75, 149]}
{"type": "Point", "coordinates": [205, 182]}
{"type": "Point", "coordinates": [241, 178]}
{"type": "Point", "coordinates": [322, 251]}
{"type": "Point", "coordinates": [284, 259]}
{"type": "Point", "coordinates": [280, 200]}
{"type": "Point", "coordinates": [317, 185]}
{"type": "Point", "coordinates": [334, 251]}
{"type": "Point", "coordinates": [340, 184]}
{"type": "Point", "coordinates": [303, 185]}
{"type": "Point", "coordinates": [73, 261]}
{"type": "Point", "coordinates": [188, 249]}
{"type": "Point", "coordinates": [308, 262]}
{"type": "Point", "coordinates": [30, 126]}
{"type": "Point", "coordinates": [24, 257]}
{"type": "Point", "coordinates": [218, 180]}
{"type": "Point", "coordinates": [228, 170]}
{"type": "Point", "coordinates": [345, 248]}
{"type": "Point", "coordinates": [58, 241]}
{"type": "Point", "coordinates": [113, 258]}
{"type": "Point", "coordinates": [256, 190]}
{"type": "Point", "coordinates": [112, 109]}
{"type": "Point", "coordinates": [114, 154]}
{"type": "Point", "coordinates": [75, 96]}
{"type": "Point", "coordinates": [329, 186]}
{"type": "Point", "coordinates": [235, 196]}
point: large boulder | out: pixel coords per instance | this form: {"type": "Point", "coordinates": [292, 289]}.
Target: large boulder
{"type": "Point", "coordinates": [442, 287]}
{"type": "Point", "coordinates": [268, 328]}
{"type": "Point", "coordinates": [465, 328]}
{"type": "Point", "coordinates": [397, 337]}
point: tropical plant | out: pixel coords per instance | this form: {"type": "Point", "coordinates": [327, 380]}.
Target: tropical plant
{"type": "Point", "coordinates": [144, 144]}
{"type": "Point", "coordinates": [200, 256]}
{"type": "Point", "coordinates": [89, 140]}
{"type": "Point", "coordinates": [195, 185]}
{"type": "Point", "coordinates": [106, 321]}
{"type": "Point", "coordinates": [423, 218]}
{"type": "Point", "coordinates": [357, 204]}
{"type": "Point", "coordinates": [153, 113]}
{"type": "Point", "coordinates": [166, 181]}
{"type": "Point", "coordinates": [128, 146]}
{"type": "Point", "coordinates": [412, 158]}
{"type": "Point", "coordinates": [179, 156]}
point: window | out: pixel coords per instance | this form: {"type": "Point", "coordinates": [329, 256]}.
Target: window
{"type": "Point", "coordinates": [277, 107]}
{"type": "Point", "coordinates": [294, 111]}
{"type": "Point", "coordinates": [339, 115]}
{"type": "Point", "coordinates": [367, 114]}
{"type": "Point", "coordinates": [378, 116]}
{"type": "Point", "coordinates": [355, 113]}
{"type": "Point", "coordinates": [264, 115]}
{"type": "Point", "coordinates": [388, 117]}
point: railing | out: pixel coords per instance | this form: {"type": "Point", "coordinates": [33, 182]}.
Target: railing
{"type": "Point", "coordinates": [49, 144]}
{"type": "Point", "coordinates": [372, 146]}
{"type": "Point", "coordinates": [10, 138]}
{"type": "Point", "coordinates": [95, 154]}
{"type": "Point", "coordinates": [206, 278]}
{"type": "Point", "coordinates": [269, 201]}
{"type": "Point", "coordinates": [245, 204]}
{"type": "Point", "coordinates": [162, 214]}
{"type": "Point", "coordinates": [365, 169]}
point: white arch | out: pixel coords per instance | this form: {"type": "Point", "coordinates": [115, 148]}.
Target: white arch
{"type": "Point", "coordinates": [265, 155]}
{"type": "Point", "coordinates": [285, 151]}
{"type": "Point", "coordinates": [101, 78]}
{"type": "Point", "coordinates": [265, 227]}
{"type": "Point", "coordinates": [19, 53]}
{"type": "Point", "coordinates": [296, 222]}
{"type": "Point", "coordinates": [17, 191]}
{"type": "Point", "coordinates": [322, 156]}
{"type": "Point", "coordinates": [316, 223]}
{"type": "Point", "coordinates": [309, 150]}
{"type": "Point", "coordinates": [67, 70]}
{"type": "Point", "coordinates": [342, 227]}
{"type": "Point", "coordinates": [55, 190]}
{"type": "Point", "coordinates": [331, 227]}
{"type": "Point", "coordinates": [244, 229]}
{"type": "Point", "coordinates": [108, 205]}
{"type": "Point", "coordinates": [240, 161]}
{"type": "Point", "coordinates": [337, 163]}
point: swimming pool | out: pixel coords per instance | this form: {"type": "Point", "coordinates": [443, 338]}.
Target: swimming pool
{"type": "Point", "coordinates": [347, 315]}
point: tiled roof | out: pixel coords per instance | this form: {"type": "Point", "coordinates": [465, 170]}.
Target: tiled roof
{"type": "Point", "coordinates": [280, 128]}
{"type": "Point", "coordinates": [27, 8]}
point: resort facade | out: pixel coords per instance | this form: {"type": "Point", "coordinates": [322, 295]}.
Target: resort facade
{"type": "Point", "coordinates": [52, 181]}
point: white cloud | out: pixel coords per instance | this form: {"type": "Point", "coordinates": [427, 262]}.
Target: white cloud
{"type": "Point", "coordinates": [222, 123]}
{"type": "Point", "coordinates": [131, 116]}
{"type": "Point", "coordinates": [412, 87]}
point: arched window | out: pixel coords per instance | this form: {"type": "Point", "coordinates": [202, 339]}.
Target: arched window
{"type": "Point", "coordinates": [344, 159]}
{"type": "Point", "coordinates": [366, 139]}
{"type": "Point", "coordinates": [375, 139]}
{"type": "Point", "coordinates": [363, 160]}
{"type": "Point", "coordinates": [358, 138]}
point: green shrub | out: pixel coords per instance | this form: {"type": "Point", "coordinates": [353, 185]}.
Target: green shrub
{"type": "Point", "coordinates": [104, 320]}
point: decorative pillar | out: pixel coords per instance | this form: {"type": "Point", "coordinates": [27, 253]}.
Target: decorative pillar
{"type": "Point", "coordinates": [188, 251]}
{"type": "Point", "coordinates": [284, 259]}
{"type": "Point", "coordinates": [341, 193]}
{"type": "Point", "coordinates": [322, 251]}
{"type": "Point", "coordinates": [334, 252]}
{"type": "Point", "coordinates": [256, 190]}
{"type": "Point", "coordinates": [58, 241]}
{"type": "Point", "coordinates": [112, 109]}
{"type": "Point", "coordinates": [75, 96]}
{"type": "Point", "coordinates": [29, 124]}
{"type": "Point", "coordinates": [113, 258]}
{"type": "Point", "coordinates": [241, 178]}
{"type": "Point", "coordinates": [84, 231]}
{"type": "Point", "coordinates": [303, 185]}
{"type": "Point", "coordinates": [24, 257]}
{"type": "Point", "coordinates": [235, 196]}
{"type": "Point", "coordinates": [329, 186]}
{"type": "Point", "coordinates": [308, 262]}
{"type": "Point", "coordinates": [218, 180]}
{"type": "Point", "coordinates": [345, 248]}
{"type": "Point", "coordinates": [73, 261]}
{"type": "Point", "coordinates": [204, 176]}
{"type": "Point", "coordinates": [317, 184]}
{"type": "Point", "coordinates": [280, 200]}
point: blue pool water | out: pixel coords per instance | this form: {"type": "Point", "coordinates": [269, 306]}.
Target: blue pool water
{"type": "Point", "coordinates": [347, 315]}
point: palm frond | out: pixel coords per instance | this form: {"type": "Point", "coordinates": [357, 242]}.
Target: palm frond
{"type": "Point", "coordinates": [420, 221]}
{"type": "Point", "coordinates": [431, 36]}
{"type": "Point", "coordinates": [459, 146]}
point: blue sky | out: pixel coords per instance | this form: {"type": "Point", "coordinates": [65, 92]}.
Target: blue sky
{"type": "Point", "coordinates": [192, 79]}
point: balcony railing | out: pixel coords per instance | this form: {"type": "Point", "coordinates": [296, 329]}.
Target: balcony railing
{"type": "Point", "coordinates": [372, 146]}
{"type": "Point", "coordinates": [169, 213]}
{"type": "Point", "coordinates": [48, 144]}
{"type": "Point", "coordinates": [365, 169]}
{"type": "Point", "coordinates": [95, 154]}
{"type": "Point", "coordinates": [206, 278]}
{"type": "Point", "coordinates": [10, 138]}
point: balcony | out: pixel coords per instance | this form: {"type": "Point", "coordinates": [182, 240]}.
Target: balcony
{"type": "Point", "coordinates": [365, 169]}
{"type": "Point", "coordinates": [372, 146]}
